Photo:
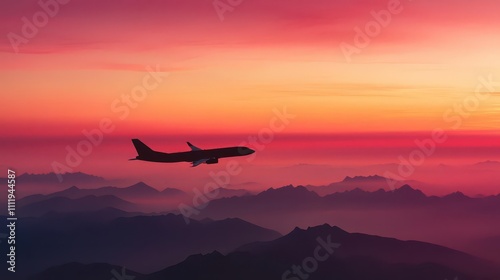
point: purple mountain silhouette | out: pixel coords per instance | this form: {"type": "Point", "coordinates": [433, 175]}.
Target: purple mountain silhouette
{"type": "Point", "coordinates": [355, 256]}
{"type": "Point", "coordinates": [367, 183]}
{"type": "Point", "coordinates": [64, 204]}
{"type": "Point", "coordinates": [141, 243]}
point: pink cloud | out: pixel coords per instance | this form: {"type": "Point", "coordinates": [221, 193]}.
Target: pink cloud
{"type": "Point", "coordinates": [145, 25]}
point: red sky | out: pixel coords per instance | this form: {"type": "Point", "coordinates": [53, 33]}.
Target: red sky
{"type": "Point", "coordinates": [226, 78]}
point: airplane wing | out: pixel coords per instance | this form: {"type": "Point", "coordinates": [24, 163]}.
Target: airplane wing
{"type": "Point", "coordinates": [193, 147]}
{"type": "Point", "coordinates": [198, 162]}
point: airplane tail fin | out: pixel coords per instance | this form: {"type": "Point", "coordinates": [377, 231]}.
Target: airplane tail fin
{"type": "Point", "coordinates": [142, 149]}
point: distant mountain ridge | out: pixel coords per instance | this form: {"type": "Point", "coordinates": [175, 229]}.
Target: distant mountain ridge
{"type": "Point", "coordinates": [140, 189]}
{"type": "Point", "coordinates": [284, 208]}
{"type": "Point", "coordinates": [142, 243]}
{"type": "Point", "coordinates": [50, 182]}
{"type": "Point", "coordinates": [300, 198]}
{"type": "Point", "coordinates": [81, 204]}
{"type": "Point", "coordinates": [367, 183]}
{"type": "Point", "coordinates": [370, 178]}
{"type": "Point", "coordinates": [136, 191]}
{"type": "Point", "coordinates": [356, 257]}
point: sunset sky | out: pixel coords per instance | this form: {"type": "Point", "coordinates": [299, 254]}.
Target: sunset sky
{"type": "Point", "coordinates": [223, 76]}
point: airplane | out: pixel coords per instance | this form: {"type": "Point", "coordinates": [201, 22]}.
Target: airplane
{"type": "Point", "coordinates": [196, 156]}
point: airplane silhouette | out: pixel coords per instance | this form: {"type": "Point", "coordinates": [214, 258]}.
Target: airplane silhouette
{"type": "Point", "coordinates": [196, 156]}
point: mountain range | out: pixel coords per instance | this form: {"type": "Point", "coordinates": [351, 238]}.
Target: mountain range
{"type": "Point", "coordinates": [143, 243]}
{"type": "Point", "coordinates": [135, 192]}
{"type": "Point", "coordinates": [65, 205]}
{"type": "Point", "coordinates": [320, 252]}
{"type": "Point", "coordinates": [405, 213]}
{"type": "Point", "coordinates": [299, 198]}
{"type": "Point", "coordinates": [143, 196]}
{"type": "Point", "coordinates": [366, 183]}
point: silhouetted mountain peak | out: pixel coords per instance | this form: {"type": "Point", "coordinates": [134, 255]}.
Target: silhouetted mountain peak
{"type": "Point", "coordinates": [67, 192]}
{"type": "Point", "coordinates": [296, 230]}
{"type": "Point", "coordinates": [310, 232]}
{"type": "Point", "coordinates": [172, 191]}
{"type": "Point", "coordinates": [371, 178]}
{"type": "Point", "coordinates": [291, 192]}
{"type": "Point", "coordinates": [406, 187]}
{"type": "Point", "coordinates": [326, 228]}
{"type": "Point", "coordinates": [289, 189]}
{"type": "Point", "coordinates": [408, 190]}
{"type": "Point", "coordinates": [141, 186]}
{"type": "Point", "coordinates": [70, 190]}
{"type": "Point", "coordinates": [215, 253]}
{"type": "Point", "coordinates": [298, 240]}
{"type": "Point", "coordinates": [456, 195]}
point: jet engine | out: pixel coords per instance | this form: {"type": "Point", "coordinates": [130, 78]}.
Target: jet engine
{"type": "Point", "coordinates": [212, 161]}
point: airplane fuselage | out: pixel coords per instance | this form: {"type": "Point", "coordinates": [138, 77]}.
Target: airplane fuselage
{"type": "Point", "coordinates": [196, 156]}
{"type": "Point", "coordinates": [191, 156]}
